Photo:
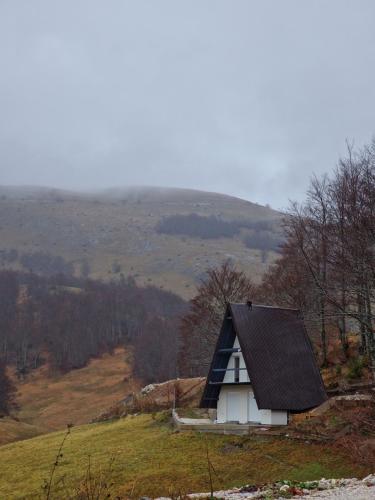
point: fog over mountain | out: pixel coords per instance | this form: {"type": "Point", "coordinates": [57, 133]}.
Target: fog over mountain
{"type": "Point", "coordinates": [246, 98]}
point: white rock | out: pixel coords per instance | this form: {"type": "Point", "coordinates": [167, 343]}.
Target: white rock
{"type": "Point", "coordinates": [324, 484]}
{"type": "Point", "coordinates": [148, 388]}
{"type": "Point", "coordinates": [369, 480]}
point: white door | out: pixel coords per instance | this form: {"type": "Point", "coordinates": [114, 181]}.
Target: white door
{"type": "Point", "coordinates": [233, 406]}
{"type": "Point", "coordinates": [254, 413]}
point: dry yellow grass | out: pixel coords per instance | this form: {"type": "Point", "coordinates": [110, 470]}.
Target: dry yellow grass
{"type": "Point", "coordinates": [12, 429]}
{"type": "Point", "coordinates": [48, 403]}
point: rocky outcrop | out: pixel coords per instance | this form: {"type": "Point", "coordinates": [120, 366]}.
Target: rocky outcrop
{"type": "Point", "coordinates": [155, 397]}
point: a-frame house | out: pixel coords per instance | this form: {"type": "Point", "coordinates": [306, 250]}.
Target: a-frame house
{"type": "Point", "coordinates": [263, 367]}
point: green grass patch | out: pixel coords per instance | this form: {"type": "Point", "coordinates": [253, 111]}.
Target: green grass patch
{"type": "Point", "coordinates": [151, 459]}
{"type": "Point", "coordinates": [190, 413]}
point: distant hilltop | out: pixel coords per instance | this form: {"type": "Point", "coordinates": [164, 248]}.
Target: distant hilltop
{"type": "Point", "coordinates": [167, 237]}
{"type": "Point", "coordinates": [150, 193]}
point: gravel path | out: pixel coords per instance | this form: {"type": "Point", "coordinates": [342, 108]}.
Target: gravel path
{"type": "Point", "coordinates": [358, 489]}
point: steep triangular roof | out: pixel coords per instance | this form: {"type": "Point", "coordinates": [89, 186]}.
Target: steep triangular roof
{"type": "Point", "coordinates": [278, 357]}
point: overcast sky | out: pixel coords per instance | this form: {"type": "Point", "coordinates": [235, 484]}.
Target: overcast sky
{"type": "Point", "coordinates": [241, 97]}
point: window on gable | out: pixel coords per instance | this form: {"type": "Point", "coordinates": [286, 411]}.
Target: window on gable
{"type": "Point", "coordinates": [236, 369]}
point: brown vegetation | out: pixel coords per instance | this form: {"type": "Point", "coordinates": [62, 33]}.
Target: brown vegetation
{"type": "Point", "coordinates": [73, 320]}
{"type": "Point", "coordinates": [201, 325]}
{"type": "Point", "coordinates": [7, 391]}
{"type": "Point", "coordinates": [348, 422]}
{"type": "Point", "coordinates": [181, 393]}
{"type": "Point", "coordinates": [327, 268]}
{"type": "Point", "coordinates": [48, 402]}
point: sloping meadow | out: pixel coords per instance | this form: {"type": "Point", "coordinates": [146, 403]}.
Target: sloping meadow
{"type": "Point", "coordinates": [143, 455]}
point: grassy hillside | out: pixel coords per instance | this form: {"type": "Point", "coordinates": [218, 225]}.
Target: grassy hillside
{"type": "Point", "coordinates": [149, 458]}
{"type": "Point", "coordinates": [115, 231]}
{"type": "Point", "coordinates": [49, 402]}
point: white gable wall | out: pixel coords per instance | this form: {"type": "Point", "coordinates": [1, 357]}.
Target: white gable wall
{"type": "Point", "coordinates": [237, 402]}
{"type": "Point", "coordinates": [279, 417]}
{"type": "Point", "coordinates": [229, 375]}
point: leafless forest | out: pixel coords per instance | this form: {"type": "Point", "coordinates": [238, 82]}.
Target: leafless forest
{"type": "Point", "coordinates": [326, 269]}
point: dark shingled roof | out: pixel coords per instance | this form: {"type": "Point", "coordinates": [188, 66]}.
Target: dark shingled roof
{"type": "Point", "coordinates": [278, 356]}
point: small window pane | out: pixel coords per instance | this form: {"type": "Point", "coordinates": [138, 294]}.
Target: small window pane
{"type": "Point", "coordinates": [236, 369]}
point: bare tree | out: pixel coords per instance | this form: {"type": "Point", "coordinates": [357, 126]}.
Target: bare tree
{"type": "Point", "coordinates": [201, 325]}
{"type": "Point", "coordinates": [332, 239]}
{"type": "Point", "coordinates": [308, 226]}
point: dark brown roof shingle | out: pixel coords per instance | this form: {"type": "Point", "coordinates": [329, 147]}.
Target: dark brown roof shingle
{"type": "Point", "coordinates": [278, 356]}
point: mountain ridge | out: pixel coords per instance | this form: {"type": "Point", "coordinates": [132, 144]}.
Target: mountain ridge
{"type": "Point", "coordinates": [114, 231]}
{"type": "Point", "coordinates": [117, 192]}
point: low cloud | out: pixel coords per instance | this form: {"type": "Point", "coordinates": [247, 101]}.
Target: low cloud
{"type": "Point", "coordinates": [245, 98]}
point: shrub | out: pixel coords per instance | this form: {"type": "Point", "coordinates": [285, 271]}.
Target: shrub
{"type": "Point", "coordinates": [7, 391]}
{"type": "Point", "coordinates": [356, 366]}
